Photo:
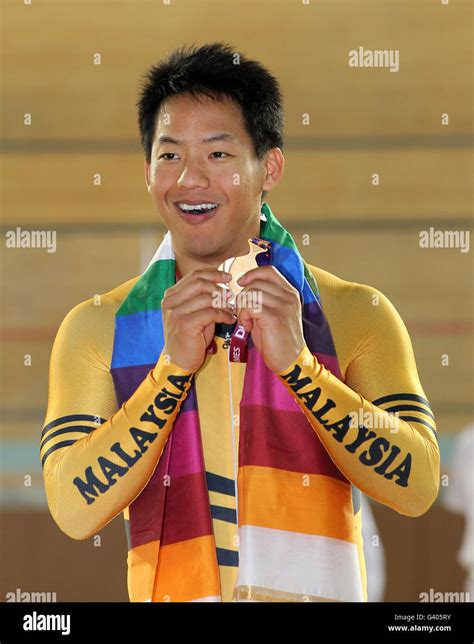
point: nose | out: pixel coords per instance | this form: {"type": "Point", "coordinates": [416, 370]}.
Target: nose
{"type": "Point", "coordinates": [193, 175]}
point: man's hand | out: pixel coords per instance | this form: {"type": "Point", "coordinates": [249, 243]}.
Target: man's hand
{"type": "Point", "coordinates": [189, 318]}
{"type": "Point", "coordinates": [276, 326]}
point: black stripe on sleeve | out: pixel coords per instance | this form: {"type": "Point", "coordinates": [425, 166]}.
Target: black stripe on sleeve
{"type": "Point", "coordinates": [391, 397]}
{"type": "Point", "coordinates": [418, 420]}
{"type": "Point", "coordinates": [68, 419]}
{"type": "Point", "coordinates": [410, 408]}
{"type": "Point", "coordinates": [84, 429]}
{"type": "Point", "coordinates": [54, 448]}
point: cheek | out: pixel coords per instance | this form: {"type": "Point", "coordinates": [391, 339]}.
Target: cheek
{"type": "Point", "coordinates": [162, 183]}
{"type": "Point", "coordinates": [224, 178]}
{"type": "Point", "coordinates": [249, 178]}
{"type": "Point", "coordinates": [238, 184]}
{"type": "Point", "coordinates": [233, 176]}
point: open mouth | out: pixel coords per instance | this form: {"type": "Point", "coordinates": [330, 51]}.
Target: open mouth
{"type": "Point", "coordinates": [196, 213]}
{"type": "Point", "coordinates": [196, 209]}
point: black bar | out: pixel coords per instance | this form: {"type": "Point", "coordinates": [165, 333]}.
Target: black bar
{"type": "Point", "coordinates": [312, 622]}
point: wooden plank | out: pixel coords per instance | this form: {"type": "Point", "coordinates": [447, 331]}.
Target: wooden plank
{"type": "Point", "coordinates": [317, 186]}
{"type": "Point", "coordinates": [48, 50]}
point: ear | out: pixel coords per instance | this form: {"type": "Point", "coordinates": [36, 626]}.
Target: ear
{"type": "Point", "coordinates": [146, 168]}
{"type": "Point", "coordinates": [274, 166]}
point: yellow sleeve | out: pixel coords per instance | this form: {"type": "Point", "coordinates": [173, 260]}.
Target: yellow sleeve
{"type": "Point", "coordinates": [377, 426]}
{"type": "Point", "coordinates": [96, 458]}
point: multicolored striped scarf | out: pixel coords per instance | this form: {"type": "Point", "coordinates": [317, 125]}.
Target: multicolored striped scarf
{"type": "Point", "coordinates": [298, 539]}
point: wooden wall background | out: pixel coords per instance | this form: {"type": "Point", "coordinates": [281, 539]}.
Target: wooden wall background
{"type": "Point", "coordinates": [361, 121]}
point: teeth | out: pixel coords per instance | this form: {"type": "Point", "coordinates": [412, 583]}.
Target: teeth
{"type": "Point", "coordinates": [201, 206]}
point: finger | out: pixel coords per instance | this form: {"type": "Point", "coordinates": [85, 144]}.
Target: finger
{"type": "Point", "coordinates": [266, 286]}
{"type": "Point", "coordinates": [195, 323]}
{"type": "Point", "coordinates": [271, 275]}
{"type": "Point", "coordinates": [267, 273]}
{"type": "Point", "coordinates": [202, 301]}
{"type": "Point", "coordinates": [186, 289]}
{"type": "Point", "coordinates": [254, 301]}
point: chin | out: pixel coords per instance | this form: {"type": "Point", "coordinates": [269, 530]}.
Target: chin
{"type": "Point", "coordinates": [204, 250]}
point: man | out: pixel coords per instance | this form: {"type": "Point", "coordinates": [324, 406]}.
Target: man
{"type": "Point", "coordinates": [237, 480]}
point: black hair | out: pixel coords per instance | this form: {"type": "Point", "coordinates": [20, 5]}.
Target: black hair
{"type": "Point", "coordinates": [215, 70]}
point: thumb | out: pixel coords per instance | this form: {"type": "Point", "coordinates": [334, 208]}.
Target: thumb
{"type": "Point", "coordinates": [245, 319]}
{"type": "Point", "coordinates": [208, 333]}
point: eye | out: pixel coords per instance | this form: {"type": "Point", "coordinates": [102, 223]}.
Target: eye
{"type": "Point", "coordinates": [224, 153]}
{"type": "Point", "coordinates": [166, 154]}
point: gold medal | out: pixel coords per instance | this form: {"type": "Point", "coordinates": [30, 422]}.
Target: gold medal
{"type": "Point", "coordinates": [237, 266]}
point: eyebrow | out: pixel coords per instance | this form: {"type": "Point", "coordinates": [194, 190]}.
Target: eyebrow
{"type": "Point", "coordinates": [220, 136]}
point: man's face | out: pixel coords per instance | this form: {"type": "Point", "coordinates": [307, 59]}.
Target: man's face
{"type": "Point", "coordinates": [191, 170]}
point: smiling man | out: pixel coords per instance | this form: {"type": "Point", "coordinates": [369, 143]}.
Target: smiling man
{"type": "Point", "coordinates": [237, 480]}
{"type": "Point", "coordinates": [216, 195]}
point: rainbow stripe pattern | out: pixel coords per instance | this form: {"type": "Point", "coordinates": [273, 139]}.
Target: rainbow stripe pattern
{"type": "Point", "coordinates": [299, 531]}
